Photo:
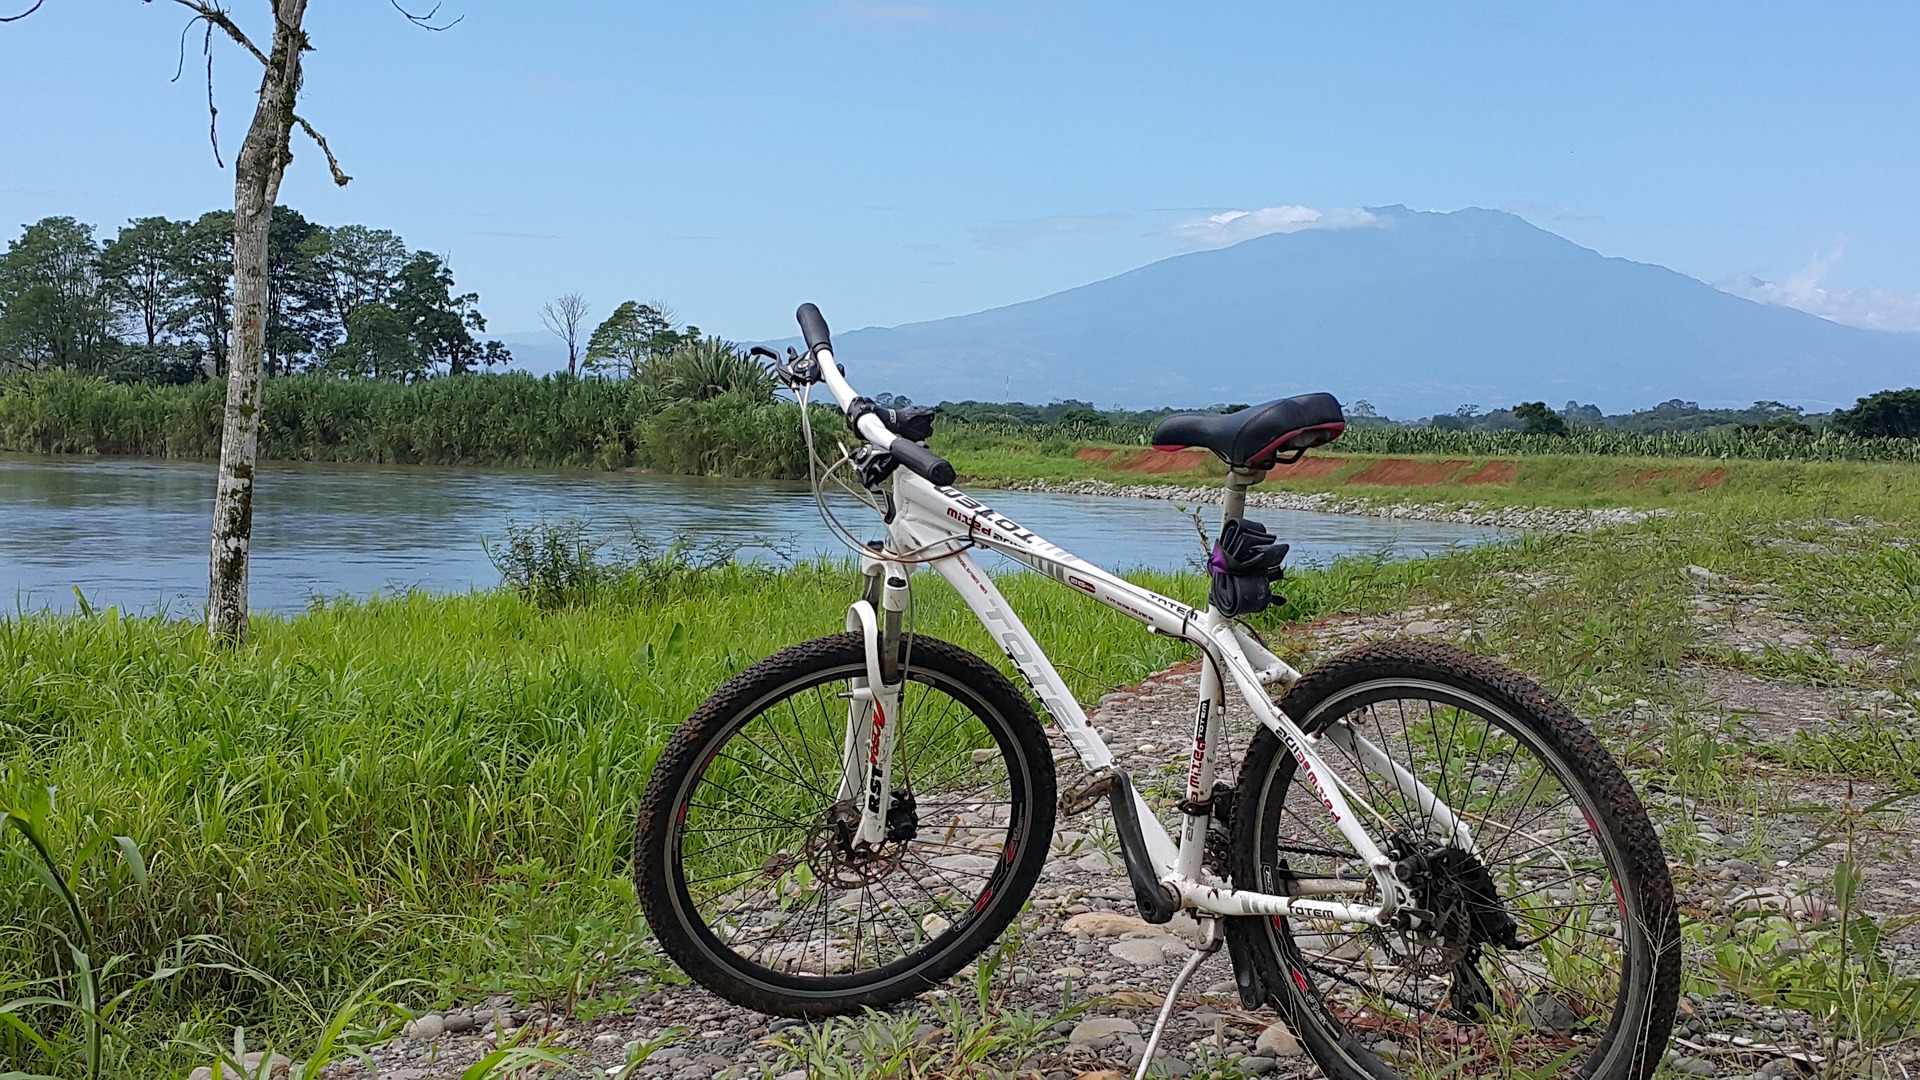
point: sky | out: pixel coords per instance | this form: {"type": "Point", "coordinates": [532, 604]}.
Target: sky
{"type": "Point", "coordinates": [895, 162]}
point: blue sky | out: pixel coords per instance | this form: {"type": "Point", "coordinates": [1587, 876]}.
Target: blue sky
{"type": "Point", "coordinates": [904, 161]}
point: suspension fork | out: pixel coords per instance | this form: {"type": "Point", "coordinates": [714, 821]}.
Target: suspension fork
{"type": "Point", "coordinates": [873, 706]}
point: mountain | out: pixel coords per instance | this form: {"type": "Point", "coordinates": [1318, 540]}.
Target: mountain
{"type": "Point", "coordinates": [1417, 313]}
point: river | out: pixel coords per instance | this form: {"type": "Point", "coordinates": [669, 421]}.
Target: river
{"type": "Point", "coordinates": [133, 532]}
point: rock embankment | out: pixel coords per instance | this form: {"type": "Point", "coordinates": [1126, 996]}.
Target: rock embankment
{"type": "Point", "coordinates": [1530, 518]}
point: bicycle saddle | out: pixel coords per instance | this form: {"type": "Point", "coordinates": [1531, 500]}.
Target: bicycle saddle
{"type": "Point", "coordinates": [1254, 438]}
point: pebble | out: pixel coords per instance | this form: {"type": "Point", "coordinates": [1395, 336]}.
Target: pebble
{"type": "Point", "coordinates": [1104, 924]}
{"type": "Point", "coordinates": [1142, 952]}
{"type": "Point", "coordinates": [1277, 1042]}
{"type": "Point", "coordinates": [1095, 1028]}
{"type": "Point", "coordinates": [459, 1022]}
{"type": "Point", "coordinates": [1097, 862]}
{"type": "Point", "coordinates": [427, 1028]}
{"type": "Point", "coordinates": [251, 1062]}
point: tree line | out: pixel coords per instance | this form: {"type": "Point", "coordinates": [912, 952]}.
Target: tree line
{"type": "Point", "coordinates": [1886, 414]}
{"type": "Point", "coordinates": [154, 302]}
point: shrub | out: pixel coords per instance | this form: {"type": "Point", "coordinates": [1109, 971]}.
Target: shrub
{"type": "Point", "coordinates": [1889, 414]}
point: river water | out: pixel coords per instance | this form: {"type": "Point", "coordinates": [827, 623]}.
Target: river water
{"type": "Point", "coordinates": [133, 532]}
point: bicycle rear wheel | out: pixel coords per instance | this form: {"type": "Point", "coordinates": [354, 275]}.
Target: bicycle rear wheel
{"type": "Point", "coordinates": [1550, 947]}
{"type": "Point", "coordinates": [742, 851]}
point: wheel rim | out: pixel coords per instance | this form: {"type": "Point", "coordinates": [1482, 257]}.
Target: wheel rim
{"type": "Point", "coordinates": [1452, 998]}
{"type": "Point", "coordinates": [760, 867]}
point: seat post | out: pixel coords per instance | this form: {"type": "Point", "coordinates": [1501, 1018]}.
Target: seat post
{"type": "Point", "coordinates": [1239, 479]}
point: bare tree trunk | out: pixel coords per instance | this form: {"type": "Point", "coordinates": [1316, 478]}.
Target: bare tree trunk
{"type": "Point", "coordinates": [256, 187]}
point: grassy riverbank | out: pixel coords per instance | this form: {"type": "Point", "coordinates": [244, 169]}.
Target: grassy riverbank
{"type": "Point", "coordinates": [441, 789]}
{"type": "Point", "coordinates": [558, 422]}
{"type": "Point", "coordinates": [1793, 488]}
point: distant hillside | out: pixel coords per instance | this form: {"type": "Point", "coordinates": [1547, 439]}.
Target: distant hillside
{"type": "Point", "coordinates": [1419, 314]}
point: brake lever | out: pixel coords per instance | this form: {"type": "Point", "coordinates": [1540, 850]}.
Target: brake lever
{"type": "Point", "coordinates": [797, 369]}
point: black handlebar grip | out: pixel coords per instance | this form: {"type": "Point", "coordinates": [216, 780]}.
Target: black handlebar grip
{"type": "Point", "coordinates": [923, 461]}
{"type": "Point", "coordinates": [813, 327]}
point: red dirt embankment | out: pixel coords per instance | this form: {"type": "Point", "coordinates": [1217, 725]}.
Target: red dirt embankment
{"type": "Point", "coordinates": [1309, 468]}
{"type": "Point", "coordinates": [1146, 461]}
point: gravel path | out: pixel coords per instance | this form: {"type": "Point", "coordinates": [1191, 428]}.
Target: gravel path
{"type": "Point", "coordinates": [1533, 518]}
{"type": "Point", "coordinates": [1081, 941]}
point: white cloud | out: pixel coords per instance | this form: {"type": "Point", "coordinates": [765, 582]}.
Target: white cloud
{"type": "Point", "coordinates": [1233, 226]}
{"type": "Point", "coordinates": [1868, 307]}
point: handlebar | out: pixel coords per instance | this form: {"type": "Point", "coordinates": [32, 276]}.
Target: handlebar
{"type": "Point", "coordinates": [813, 327]}
{"type": "Point", "coordinates": [917, 458]}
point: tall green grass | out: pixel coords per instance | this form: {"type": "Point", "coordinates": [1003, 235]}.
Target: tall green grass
{"type": "Point", "coordinates": [517, 419]}
{"type": "Point", "coordinates": [512, 419]}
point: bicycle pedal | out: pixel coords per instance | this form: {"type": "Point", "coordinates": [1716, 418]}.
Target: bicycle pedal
{"type": "Point", "coordinates": [1086, 792]}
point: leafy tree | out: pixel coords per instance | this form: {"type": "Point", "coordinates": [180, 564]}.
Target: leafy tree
{"type": "Point", "coordinates": [354, 265]}
{"type": "Point", "coordinates": [1538, 418]}
{"type": "Point", "coordinates": [55, 310]}
{"type": "Point", "coordinates": [633, 335]}
{"type": "Point", "coordinates": [144, 267]}
{"type": "Point", "coordinates": [206, 269]}
{"type": "Point", "coordinates": [441, 323]}
{"type": "Point", "coordinates": [1576, 413]}
{"type": "Point", "coordinates": [1783, 424]}
{"type": "Point", "coordinates": [421, 327]}
{"type": "Point", "coordinates": [1889, 414]}
{"type": "Point", "coordinates": [379, 345]}
{"type": "Point", "coordinates": [297, 312]}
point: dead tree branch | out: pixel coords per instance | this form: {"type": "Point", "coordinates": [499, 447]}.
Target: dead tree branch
{"type": "Point", "coordinates": [215, 15]}
{"type": "Point", "coordinates": [333, 165]}
{"type": "Point", "coordinates": [425, 22]}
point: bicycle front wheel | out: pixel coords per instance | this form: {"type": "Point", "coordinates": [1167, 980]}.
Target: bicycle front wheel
{"type": "Point", "coordinates": [1547, 944]}
{"type": "Point", "coordinates": [744, 854]}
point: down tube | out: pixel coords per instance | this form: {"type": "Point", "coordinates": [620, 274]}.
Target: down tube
{"type": "Point", "coordinates": [991, 608]}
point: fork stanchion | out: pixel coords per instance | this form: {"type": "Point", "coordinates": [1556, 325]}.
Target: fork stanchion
{"type": "Point", "coordinates": [1208, 946]}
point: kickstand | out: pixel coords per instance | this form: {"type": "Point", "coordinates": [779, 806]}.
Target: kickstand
{"type": "Point", "coordinates": [1210, 944]}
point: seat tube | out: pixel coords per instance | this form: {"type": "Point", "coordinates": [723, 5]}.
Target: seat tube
{"type": "Point", "coordinates": [1239, 479]}
{"type": "Point", "coordinates": [1209, 727]}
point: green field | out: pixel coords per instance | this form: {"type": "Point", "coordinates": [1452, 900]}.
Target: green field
{"type": "Point", "coordinates": [441, 789]}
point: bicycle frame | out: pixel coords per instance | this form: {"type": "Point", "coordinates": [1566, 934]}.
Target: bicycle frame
{"type": "Point", "coordinates": [937, 526]}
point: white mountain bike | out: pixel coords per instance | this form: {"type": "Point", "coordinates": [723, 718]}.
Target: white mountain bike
{"type": "Point", "coordinates": [1427, 863]}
